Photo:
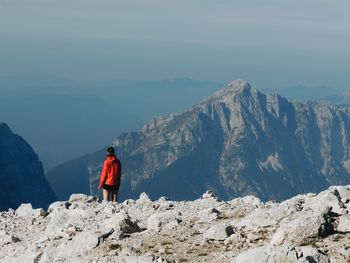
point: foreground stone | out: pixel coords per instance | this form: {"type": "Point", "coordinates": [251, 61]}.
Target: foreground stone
{"type": "Point", "coordinates": [306, 228]}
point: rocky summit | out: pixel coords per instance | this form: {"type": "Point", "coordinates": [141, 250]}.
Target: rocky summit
{"type": "Point", "coordinates": [305, 228]}
{"type": "Point", "coordinates": [237, 142]}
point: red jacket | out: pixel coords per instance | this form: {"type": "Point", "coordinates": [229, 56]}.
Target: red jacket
{"type": "Point", "coordinates": [111, 171]}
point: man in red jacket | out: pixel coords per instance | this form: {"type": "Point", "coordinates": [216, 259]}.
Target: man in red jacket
{"type": "Point", "coordinates": [111, 176]}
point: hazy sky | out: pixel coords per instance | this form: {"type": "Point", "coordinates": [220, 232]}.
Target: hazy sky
{"type": "Point", "coordinates": [270, 43]}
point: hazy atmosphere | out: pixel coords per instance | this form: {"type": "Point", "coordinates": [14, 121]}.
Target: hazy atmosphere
{"type": "Point", "coordinates": [162, 131]}
{"type": "Point", "coordinates": [273, 44]}
{"type": "Point", "coordinates": [146, 58]}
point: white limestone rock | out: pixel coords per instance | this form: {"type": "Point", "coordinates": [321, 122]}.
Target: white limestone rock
{"type": "Point", "coordinates": [26, 210]}
{"type": "Point", "coordinates": [81, 198]}
{"type": "Point", "coordinates": [121, 221]}
{"type": "Point", "coordinates": [326, 200]}
{"type": "Point", "coordinates": [61, 219]}
{"type": "Point", "coordinates": [308, 254]}
{"type": "Point", "coordinates": [208, 215]}
{"type": "Point", "coordinates": [207, 230]}
{"type": "Point", "coordinates": [218, 232]}
{"type": "Point", "coordinates": [160, 219]}
{"type": "Point", "coordinates": [144, 197]}
{"type": "Point", "coordinates": [129, 202]}
{"type": "Point", "coordinates": [344, 192]}
{"type": "Point", "coordinates": [285, 254]}
{"type": "Point", "coordinates": [6, 238]}
{"type": "Point", "coordinates": [301, 228]}
{"type": "Point", "coordinates": [57, 205]}
{"type": "Point", "coordinates": [138, 259]}
{"type": "Point", "coordinates": [266, 254]}
{"type": "Point", "coordinates": [208, 194]}
{"type": "Point", "coordinates": [344, 223]}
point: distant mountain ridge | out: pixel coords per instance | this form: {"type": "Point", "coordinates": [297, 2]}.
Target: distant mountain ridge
{"type": "Point", "coordinates": [236, 142]}
{"type": "Point", "coordinates": [73, 113]}
{"type": "Point", "coordinates": [21, 173]}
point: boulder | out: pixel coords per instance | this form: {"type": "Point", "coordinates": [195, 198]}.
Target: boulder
{"type": "Point", "coordinates": [296, 231]}
{"type": "Point", "coordinates": [344, 223]}
{"type": "Point", "coordinates": [26, 210]}
{"type": "Point", "coordinates": [121, 221]}
{"type": "Point", "coordinates": [129, 202]}
{"type": "Point", "coordinates": [6, 238]}
{"type": "Point", "coordinates": [61, 219]}
{"type": "Point", "coordinates": [344, 192]}
{"type": "Point", "coordinates": [248, 200]}
{"type": "Point", "coordinates": [207, 215]}
{"type": "Point", "coordinates": [158, 220]}
{"type": "Point", "coordinates": [81, 198]}
{"type": "Point", "coordinates": [208, 194]}
{"type": "Point", "coordinates": [138, 259]}
{"type": "Point", "coordinates": [144, 197]}
{"type": "Point", "coordinates": [57, 205]}
{"type": "Point", "coordinates": [80, 244]}
{"type": "Point", "coordinates": [307, 254]}
{"type": "Point", "coordinates": [325, 201]}
{"type": "Point", "coordinates": [218, 232]}
{"type": "Point", "coordinates": [285, 254]}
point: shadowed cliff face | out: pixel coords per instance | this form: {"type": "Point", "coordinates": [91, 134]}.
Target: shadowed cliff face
{"type": "Point", "coordinates": [21, 173]}
{"type": "Point", "coordinates": [236, 142]}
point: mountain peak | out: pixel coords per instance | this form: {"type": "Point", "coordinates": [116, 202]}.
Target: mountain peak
{"type": "Point", "coordinates": [239, 84]}
{"type": "Point", "coordinates": [235, 87]}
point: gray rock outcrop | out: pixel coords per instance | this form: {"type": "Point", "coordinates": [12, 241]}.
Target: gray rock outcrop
{"type": "Point", "coordinates": [21, 173]}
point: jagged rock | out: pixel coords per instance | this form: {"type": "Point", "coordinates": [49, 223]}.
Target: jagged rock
{"type": "Point", "coordinates": [26, 210]}
{"type": "Point", "coordinates": [138, 259]}
{"type": "Point", "coordinates": [244, 230]}
{"type": "Point", "coordinates": [208, 194]}
{"type": "Point", "coordinates": [129, 201]}
{"type": "Point", "coordinates": [61, 219]}
{"type": "Point", "coordinates": [327, 199]}
{"type": "Point", "coordinates": [80, 244]}
{"type": "Point", "coordinates": [218, 232]}
{"type": "Point", "coordinates": [163, 199]}
{"type": "Point", "coordinates": [144, 197]}
{"type": "Point", "coordinates": [56, 205]}
{"type": "Point", "coordinates": [285, 254]}
{"type": "Point", "coordinates": [121, 221]}
{"type": "Point", "coordinates": [6, 238]}
{"type": "Point", "coordinates": [158, 220]}
{"type": "Point", "coordinates": [208, 215]}
{"type": "Point", "coordinates": [344, 223]}
{"type": "Point", "coordinates": [248, 200]}
{"type": "Point", "coordinates": [266, 216]}
{"type": "Point", "coordinates": [81, 198]}
{"type": "Point", "coordinates": [295, 231]}
{"type": "Point", "coordinates": [27, 257]}
{"type": "Point", "coordinates": [344, 192]}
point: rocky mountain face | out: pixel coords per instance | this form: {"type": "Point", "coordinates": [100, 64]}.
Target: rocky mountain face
{"type": "Point", "coordinates": [242, 230]}
{"type": "Point", "coordinates": [237, 142]}
{"type": "Point", "coordinates": [21, 173]}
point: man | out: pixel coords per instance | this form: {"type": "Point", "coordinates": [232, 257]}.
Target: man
{"type": "Point", "coordinates": [110, 176]}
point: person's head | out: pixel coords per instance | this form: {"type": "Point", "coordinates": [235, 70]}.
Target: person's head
{"type": "Point", "coordinates": [111, 151]}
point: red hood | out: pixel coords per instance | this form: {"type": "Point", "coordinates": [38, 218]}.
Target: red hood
{"type": "Point", "coordinates": [111, 158]}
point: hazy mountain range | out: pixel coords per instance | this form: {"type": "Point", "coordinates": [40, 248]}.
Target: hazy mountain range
{"type": "Point", "coordinates": [238, 141]}
{"type": "Point", "coordinates": [63, 119]}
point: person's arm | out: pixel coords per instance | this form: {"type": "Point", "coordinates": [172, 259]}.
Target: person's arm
{"type": "Point", "coordinates": [103, 175]}
{"type": "Point", "coordinates": [119, 173]}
